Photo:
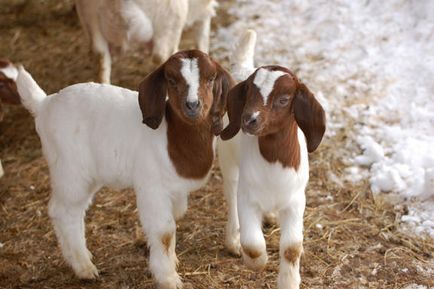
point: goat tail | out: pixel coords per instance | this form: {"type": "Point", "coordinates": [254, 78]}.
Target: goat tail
{"type": "Point", "coordinates": [30, 92]}
{"type": "Point", "coordinates": [243, 55]}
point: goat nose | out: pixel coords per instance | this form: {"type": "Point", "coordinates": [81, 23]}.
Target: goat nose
{"type": "Point", "coordinates": [250, 120]}
{"type": "Point", "coordinates": [192, 105]}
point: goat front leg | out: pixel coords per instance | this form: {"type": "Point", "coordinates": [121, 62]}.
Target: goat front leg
{"type": "Point", "coordinates": [159, 225]}
{"type": "Point", "coordinates": [253, 247]}
{"type": "Point", "coordinates": [202, 30]}
{"type": "Point", "coordinates": [291, 243]}
{"type": "Point", "coordinates": [229, 169]}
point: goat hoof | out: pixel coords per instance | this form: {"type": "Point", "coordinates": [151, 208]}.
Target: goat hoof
{"type": "Point", "coordinates": [233, 245]}
{"type": "Point", "coordinates": [88, 272]}
{"type": "Point", "coordinates": [174, 283]}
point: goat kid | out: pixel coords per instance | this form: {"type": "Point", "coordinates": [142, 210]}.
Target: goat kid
{"type": "Point", "coordinates": [8, 90]}
{"type": "Point", "coordinates": [282, 121]}
{"type": "Point", "coordinates": [92, 136]}
{"type": "Point", "coordinates": [155, 23]}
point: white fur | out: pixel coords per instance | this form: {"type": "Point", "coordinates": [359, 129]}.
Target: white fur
{"type": "Point", "coordinates": [10, 71]}
{"type": "Point", "coordinates": [264, 80]}
{"type": "Point", "coordinates": [255, 114]}
{"type": "Point", "coordinates": [254, 187]}
{"type": "Point", "coordinates": [124, 22]}
{"type": "Point", "coordinates": [92, 136]}
{"type": "Point", "coordinates": [243, 56]}
{"type": "Point", "coordinates": [190, 72]}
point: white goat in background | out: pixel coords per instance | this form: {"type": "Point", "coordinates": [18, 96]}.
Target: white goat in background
{"type": "Point", "coordinates": [152, 23]}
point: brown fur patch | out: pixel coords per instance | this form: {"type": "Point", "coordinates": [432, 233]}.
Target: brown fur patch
{"type": "Point", "coordinates": [251, 252]}
{"type": "Point", "coordinates": [8, 90]}
{"type": "Point", "coordinates": [4, 63]}
{"type": "Point", "coordinates": [190, 141]}
{"type": "Point", "coordinates": [190, 146]}
{"type": "Point", "coordinates": [166, 240]}
{"type": "Point", "coordinates": [292, 253]}
{"type": "Point", "coordinates": [282, 146]}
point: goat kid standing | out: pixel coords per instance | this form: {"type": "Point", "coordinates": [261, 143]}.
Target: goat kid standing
{"type": "Point", "coordinates": [282, 121]}
{"type": "Point", "coordinates": [92, 136]}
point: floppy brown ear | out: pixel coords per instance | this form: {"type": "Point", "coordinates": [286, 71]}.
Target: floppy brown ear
{"type": "Point", "coordinates": [222, 84]}
{"type": "Point", "coordinates": [8, 90]}
{"type": "Point", "coordinates": [235, 104]}
{"type": "Point", "coordinates": [152, 97]}
{"type": "Point", "coordinates": [310, 117]}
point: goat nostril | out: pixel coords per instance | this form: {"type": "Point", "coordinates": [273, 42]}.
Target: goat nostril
{"type": "Point", "coordinates": [192, 105]}
{"type": "Point", "coordinates": [250, 120]}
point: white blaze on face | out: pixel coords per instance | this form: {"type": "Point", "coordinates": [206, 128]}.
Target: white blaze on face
{"type": "Point", "coordinates": [265, 79]}
{"type": "Point", "coordinates": [190, 72]}
{"type": "Point", "coordinates": [255, 114]}
{"type": "Point", "coordinates": [10, 72]}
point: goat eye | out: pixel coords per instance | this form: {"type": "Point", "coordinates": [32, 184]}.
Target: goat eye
{"type": "Point", "coordinates": [171, 81]}
{"type": "Point", "coordinates": [283, 101]}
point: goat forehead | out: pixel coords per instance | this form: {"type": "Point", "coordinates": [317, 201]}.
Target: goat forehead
{"type": "Point", "coordinates": [190, 72]}
{"type": "Point", "coordinates": [264, 80]}
{"type": "Point", "coordinates": [10, 72]}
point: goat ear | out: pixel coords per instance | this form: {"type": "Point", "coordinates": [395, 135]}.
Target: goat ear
{"type": "Point", "coordinates": [235, 105]}
{"type": "Point", "coordinates": [152, 97]}
{"type": "Point", "coordinates": [8, 91]}
{"type": "Point", "coordinates": [310, 117]}
{"type": "Point", "coordinates": [222, 84]}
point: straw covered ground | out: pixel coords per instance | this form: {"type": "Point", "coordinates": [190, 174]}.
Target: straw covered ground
{"type": "Point", "coordinates": [351, 240]}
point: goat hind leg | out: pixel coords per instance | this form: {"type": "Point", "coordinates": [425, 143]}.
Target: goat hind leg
{"type": "Point", "coordinates": [67, 216]}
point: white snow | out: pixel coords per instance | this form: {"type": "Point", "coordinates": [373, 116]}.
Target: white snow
{"type": "Point", "coordinates": [368, 62]}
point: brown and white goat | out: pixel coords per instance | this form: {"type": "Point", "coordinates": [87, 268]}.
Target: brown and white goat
{"type": "Point", "coordinates": [265, 168]}
{"type": "Point", "coordinates": [92, 136]}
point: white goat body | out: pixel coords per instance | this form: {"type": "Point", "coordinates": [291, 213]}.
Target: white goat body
{"type": "Point", "coordinates": [159, 23]}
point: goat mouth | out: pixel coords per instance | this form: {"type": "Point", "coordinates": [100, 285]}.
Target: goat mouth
{"type": "Point", "coordinates": [192, 115]}
{"type": "Point", "coordinates": [251, 131]}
